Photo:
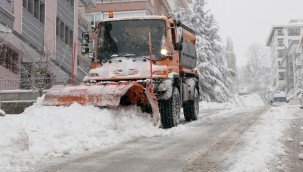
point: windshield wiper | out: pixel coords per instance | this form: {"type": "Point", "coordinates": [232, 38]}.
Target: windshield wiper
{"type": "Point", "coordinates": [115, 55]}
{"type": "Point", "coordinates": [134, 55]}
{"type": "Point", "coordinates": [129, 55]}
{"type": "Point", "coordinates": [148, 58]}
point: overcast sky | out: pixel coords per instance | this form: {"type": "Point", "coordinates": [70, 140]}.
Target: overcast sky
{"type": "Point", "coordinates": [250, 21]}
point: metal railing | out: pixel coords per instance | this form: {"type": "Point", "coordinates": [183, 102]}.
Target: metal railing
{"type": "Point", "coordinates": [110, 1]}
{"type": "Point", "coordinates": [36, 83]}
{"type": "Point", "coordinates": [83, 22]}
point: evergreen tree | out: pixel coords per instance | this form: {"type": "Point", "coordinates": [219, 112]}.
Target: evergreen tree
{"type": "Point", "coordinates": [215, 80]}
{"type": "Point", "coordinates": [214, 75]}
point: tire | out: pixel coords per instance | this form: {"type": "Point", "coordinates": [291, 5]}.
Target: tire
{"type": "Point", "coordinates": [191, 108]}
{"type": "Point", "coordinates": [170, 110]}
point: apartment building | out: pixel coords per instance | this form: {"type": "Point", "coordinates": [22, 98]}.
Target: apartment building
{"type": "Point", "coordinates": [300, 71]}
{"type": "Point", "coordinates": [40, 39]}
{"type": "Point", "coordinates": [292, 63]}
{"type": "Point", "coordinates": [279, 39]}
{"type": "Point", "coordinates": [125, 8]}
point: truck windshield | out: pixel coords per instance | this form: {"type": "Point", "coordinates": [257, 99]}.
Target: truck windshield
{"type": "Point", "coordinates": [129, 38]}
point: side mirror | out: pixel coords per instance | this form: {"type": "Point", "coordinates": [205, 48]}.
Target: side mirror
{"type": "Point", "coordinates": [271, 101]}
{"type": "Point", "coordinates": [178, 46]}
{"type": "Point", "coordinates": [84, 50]}
{"type": "Point", "coordinates": [85, 39]}
{"type": "Point", "coordinates": [85, 43]}
{"type": "Point", "coordinates": [92, 56]}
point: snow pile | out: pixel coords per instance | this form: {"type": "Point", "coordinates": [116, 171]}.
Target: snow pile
{"type": "Point", "coordinates": [263, 142]}
{"type": "Point", "coordinates": [214, 105]}
{"type": "Point", "coordinates": [252, 100]}
{"type": "Point", "coordinates": [2, 113]}
{"type": "Point", "coordinates": [48, 132]}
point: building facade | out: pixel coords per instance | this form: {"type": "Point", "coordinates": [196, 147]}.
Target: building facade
{"type": "Point", "coordinates": [45, 36]}
{"type": "Point", "coordinates": [126, 8]}
{"type": "Point", "coordinates": [292, 63]}
{"type": "Point", "coordinates": [300, 71]}
{"type": "Point", "coordinates": [279, 41]}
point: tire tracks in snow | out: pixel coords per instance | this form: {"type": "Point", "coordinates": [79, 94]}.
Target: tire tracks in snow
{"type": "Point", "coordinates": [210, 157]}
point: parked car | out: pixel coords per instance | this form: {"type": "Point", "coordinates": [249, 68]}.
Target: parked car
{"type": "Point", "coordinates": [279, 98]}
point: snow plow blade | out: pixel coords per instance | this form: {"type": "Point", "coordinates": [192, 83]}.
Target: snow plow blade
{"type": "Point", "coordinates": [104, 95]}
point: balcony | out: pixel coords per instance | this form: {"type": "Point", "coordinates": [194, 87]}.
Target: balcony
{"type": "Point", "coordinates": [84, 25]}
{"type": "Point", "coordinates": [7, 19]}
{"type": "Point", "coordinates": [114, 1]}
{"type": "Point", "coordinates": [87, 3]}
{"type": "Point", "coordinates": [122, 5]}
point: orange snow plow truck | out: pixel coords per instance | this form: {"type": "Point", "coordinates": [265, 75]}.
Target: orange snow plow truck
{"type": "Point", "coordinates": [144, 61]}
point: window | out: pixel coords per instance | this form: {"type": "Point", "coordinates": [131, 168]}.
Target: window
{"type": "Point", "coordinates": [131, 37]}
{"type": "Point", "coordinates": [294, 32]}
{"type": "Point", "coordinates": [289, 41]}
{"type": "Point", "coordinates": [9, 59]}
{"type": "Point", "coordinates": [36, 8]}
{"type": "Point", "coordinates": [58, 27]}
{"type": "Point", "coordinates": [280, 53]}
{"type": "Point", "coordinates": [71, 2]}
{"type": "Point", "coordinates": [62, 30]}
{"type": "Point", "coordinates": [30, 7]}
{"type": "Point", "coordinates": [291, 69]}
{"type": "Point", "coordinates": [66, 35]}
{"type": "Point", "coordinates": [93, 18]}
{"type": "Point", "coordinates": [42, 12]}
{"type": "Point", "coordinates": [25, 4]}
{"type": "Point", "coordinates": [172, 35]}
{"type": "Point", "coordinates": [280, 32]}
{"type": "Point", "coordinates": [71, 37]}
{"type": "Point", "coordinates": [280, 42]}
{"type": "Point", "coordinates": [281, 76]}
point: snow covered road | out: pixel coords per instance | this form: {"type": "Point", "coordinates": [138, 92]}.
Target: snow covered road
{"type": "Point", "coordinates": [239, 139]}
{"type": "Point", "coordinates": [225, 138]}
{"type": "Point", "coordinates": [202, 147]}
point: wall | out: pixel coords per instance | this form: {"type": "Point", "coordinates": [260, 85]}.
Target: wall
{"type": "Point", "coordinates": [15, 102]}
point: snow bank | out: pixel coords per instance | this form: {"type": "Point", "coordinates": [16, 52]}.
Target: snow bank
{"type": "Point", "coordinates": [252, 100]}
{"type": "Point", "coordinates": [263, 142]}
{"type": "Point", "coordinates": [2, 113]}
{"type": "Point", "coordinates": [47, 132]}
{"type": "Point", "coordinates": [213, 105]}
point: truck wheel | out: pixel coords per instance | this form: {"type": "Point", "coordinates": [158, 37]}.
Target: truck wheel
{"type": "Point", "coordinates": [191, 108]}
{"type": "Point", "coordinates": [170, 110]}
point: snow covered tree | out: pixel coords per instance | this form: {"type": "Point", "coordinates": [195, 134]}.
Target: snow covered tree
{"type": "Point", "coordinates": [180, 13]}
{"type": "Point", "coordinates": [230, 54]}
{"type": "Point", "coordinates": [257, 66]}
{"type": "Point", "coordinates": [215, 77]}
{"type": "Point", "coordinates": [231, 59]}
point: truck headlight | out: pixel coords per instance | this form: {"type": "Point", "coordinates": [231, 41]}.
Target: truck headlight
{"type": "Point", "coordinates": [164, 52]}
